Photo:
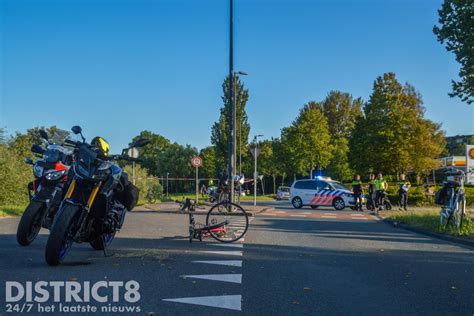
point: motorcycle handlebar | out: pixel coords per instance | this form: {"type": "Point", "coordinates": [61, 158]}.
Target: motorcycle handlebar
{"type": "Point", "coordinates": [71, 142]}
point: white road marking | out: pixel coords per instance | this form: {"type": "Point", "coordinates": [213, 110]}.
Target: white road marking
{"type": "Point", "coordinates": [232, 278]}
{"type": "Point", "coordinates": [296, 215]}
{"type": "Point", "coordinates": [227, 245]}
{"type": "Point", "coordinates": [233, 302]}
{"type": "Point", "coordinates": [363, 218]}
{"type": "Point", "coordinates": [279, 212]}
{"type": "Point", "coordinates": [231, 263]}
{"type": "Point", "coordinates": [357, 215]}
{"type": "Point", "coordinates": [306, 213]}
{"type": "Point", "coordinates": [225, 253]}
{"type": "Point", "coordinates": [329, 217]}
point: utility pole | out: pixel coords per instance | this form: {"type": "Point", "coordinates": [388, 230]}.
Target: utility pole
{"type": "Point", "coordinates": [231, 138]}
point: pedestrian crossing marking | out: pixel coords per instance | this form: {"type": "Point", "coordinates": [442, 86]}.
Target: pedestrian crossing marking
{"type": "Point", "coordinates": [231, 245]}
{"type": "Point", "coordinates": [230, 263]}
{"type": "Point", "coordinates": [232, 278]}
{"type": "Point", "coordinates": [225, 253]}
{"type": "Point", "coordinates": [233, 302]}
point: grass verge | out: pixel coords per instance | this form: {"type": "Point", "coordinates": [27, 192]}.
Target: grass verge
{"type": "Point", "coordinates": [429, 219]}
{"type": "Point", "coordinates": [11, 210]}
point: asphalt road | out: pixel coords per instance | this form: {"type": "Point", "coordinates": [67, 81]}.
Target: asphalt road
{"type": "Point", "coordinates": [291, 262]}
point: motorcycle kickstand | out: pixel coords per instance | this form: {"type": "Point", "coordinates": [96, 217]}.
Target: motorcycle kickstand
{"type": "Point", "coordinates": [104, 247]}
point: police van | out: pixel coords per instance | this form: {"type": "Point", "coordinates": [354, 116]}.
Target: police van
{"type": "Point", "coordinates": [322, 191]}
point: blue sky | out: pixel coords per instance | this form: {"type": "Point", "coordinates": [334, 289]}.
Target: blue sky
{"type": "Point", "coordinates": [118, 67]}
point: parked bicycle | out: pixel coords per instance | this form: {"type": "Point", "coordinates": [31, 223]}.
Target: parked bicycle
{"type": "Point", "coordinates": [452, 199]}
{"type": "Point", "coordinates": [226, 222]}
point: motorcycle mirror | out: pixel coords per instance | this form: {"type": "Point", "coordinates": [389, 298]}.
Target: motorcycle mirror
{"type": "Point", "coordinates": [76, 129]}
{"type": "Point", "coordinates": [140, 143]}
{"type": "Point", "coordinates": [37, 149]}
{"type": "Point", "coordinates": [43, 134]}
{"type": "Point", "coordinates": [28, 161]}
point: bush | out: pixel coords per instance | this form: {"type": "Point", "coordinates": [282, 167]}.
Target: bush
{"type": "Point", "coordinates": [150, 188]}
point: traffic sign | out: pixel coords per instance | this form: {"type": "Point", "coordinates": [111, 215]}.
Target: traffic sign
{"type": "Point", "coordinates": [196, 162]}
{"type": "Point", "coordinates": [255, 152]}
{"type": "Point", "coordinates": [133, 152]}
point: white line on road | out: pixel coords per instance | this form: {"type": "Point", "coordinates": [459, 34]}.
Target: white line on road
{"type": "Point", "coordinates": [296, 215]}
{"type": "Point", "coordinates": [279, 212]}
{"type": "Point", "coordinates": [233, 302]}
{"type": "Point", "coordinates": [231, 263]}
{"type": "Point", "coordinates": [227, 245]}
{"type": "Point", "coordinates": [363, 218]}
{"type": "Point", "coordinates": [329, 217]}
{"type": "Point", "coordinates": [225, 253]}
{"type": "Point", "coordinates": [232, 278]}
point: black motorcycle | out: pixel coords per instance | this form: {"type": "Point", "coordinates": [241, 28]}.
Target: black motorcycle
{"type": "Point", "coordinates": [95, 204]}
{"type": "Point", "coordinates": [46, 191]}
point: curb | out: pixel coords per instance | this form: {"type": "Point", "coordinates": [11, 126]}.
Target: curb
{"type": "Point", "coordinates": [453, 239]}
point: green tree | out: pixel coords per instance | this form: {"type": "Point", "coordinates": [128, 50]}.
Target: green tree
{"type": "Point", "coordinates": [55, 134]}
{"type": "Point", "coordinates": [220, 129]}
{"type": "Point", "coordinates": [388, 136]}
{"type": "Point", "coordinates": [210, 167]}
{"type": "Point", "coordinates": [456, 32]}
{"type": "Point", "coordinates": [307, 140]}
{"type": "Point", "coordinates": [176, 160]}
{"type": "Point", "coordinates": [150, 153]}
{"type": "Point", "coordinates": [428, 144]}
{"type": "Point", "coordinates": [342, 112]}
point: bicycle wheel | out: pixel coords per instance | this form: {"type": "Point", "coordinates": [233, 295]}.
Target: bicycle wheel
{"type": "Point", "coordinates": [459, 213]}
{"type": "Point", "coordinates": [227, 222]}
{"type": "Point", "coordinates": [444, 218]}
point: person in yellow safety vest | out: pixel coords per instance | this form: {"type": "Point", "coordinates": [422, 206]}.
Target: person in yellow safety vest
{"type": "Point", "coordinates": [357, 189]}
{"type": "Point", "coordinates": [381, 187]}
{"type": "Point", "coordinates": [403, 187]}
{"type": "Point", "coordinates": [372, 198]}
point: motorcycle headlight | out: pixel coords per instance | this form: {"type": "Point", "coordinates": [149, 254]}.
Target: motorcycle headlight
{"type": "Point", "coordinates": [37, 170]}
{"type": "Point", "coordinates": [103, 171]}
{"type": "Point", "coordinates": [55, 175]}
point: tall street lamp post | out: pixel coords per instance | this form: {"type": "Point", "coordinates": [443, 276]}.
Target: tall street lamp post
{"type": "Point", "coordinates": [232, 112]}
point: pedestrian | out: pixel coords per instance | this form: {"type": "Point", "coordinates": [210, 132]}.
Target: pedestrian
{"type": "Point", "coordinates": [381, 187]}
{"type": "Point", "coordinates": [403, 187]}
{"type": "Point", "coordinates": [372, 198]}
{"type": "Point", "coordinates": [203, 190]}
{"type": "Point", "coordinates": [357, 189]}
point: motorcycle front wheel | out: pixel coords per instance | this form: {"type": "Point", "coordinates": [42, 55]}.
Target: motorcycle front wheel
{"type": "Point", "coordinates": [61, 237]}
{"type": "Point", "coordinates": [30, 223]}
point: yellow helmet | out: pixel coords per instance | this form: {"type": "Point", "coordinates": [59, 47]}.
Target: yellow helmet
{"type": "Point", "coordinates": [101, 146]}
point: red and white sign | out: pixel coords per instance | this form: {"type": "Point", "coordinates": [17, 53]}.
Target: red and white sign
{"type": "Point", "coordinates": [196, 162]}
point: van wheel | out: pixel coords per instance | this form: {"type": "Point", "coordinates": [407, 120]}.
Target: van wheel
{"type": "Point", "coordinates": [297, 202]}
{"type": "Point", "coordinates": [338, 204]}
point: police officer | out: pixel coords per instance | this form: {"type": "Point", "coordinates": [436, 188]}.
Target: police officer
{"type": "Point", "coordinates": [381, 187]}
{"type": "Point", "coordinates": [403, 187]}
{"type": "Point", "coordinates": [357, 189]}
{"type": "Point", "coordinates": [372, 198]}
